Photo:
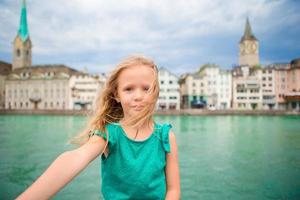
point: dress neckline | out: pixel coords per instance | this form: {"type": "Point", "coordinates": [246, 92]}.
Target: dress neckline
{"type": "Point", "coordinates": [137, 141]}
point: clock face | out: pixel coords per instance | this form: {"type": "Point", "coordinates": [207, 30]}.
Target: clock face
{"type": "Point", "coordinates": [251, 48]}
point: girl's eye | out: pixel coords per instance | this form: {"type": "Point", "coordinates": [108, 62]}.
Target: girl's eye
{"type": "Point", "coordinates": [128, 89]}
{"type": "Point", "coordinates": [146, 88]}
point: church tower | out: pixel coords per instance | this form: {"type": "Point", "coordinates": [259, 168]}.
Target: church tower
{"type": "Point", "coordinates": [22, 43]}
{"type": "Point", "coordinates": [249, 47]}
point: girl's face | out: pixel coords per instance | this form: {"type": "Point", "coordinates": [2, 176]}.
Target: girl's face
{"type": "Point", "coordinates": [133, 89]}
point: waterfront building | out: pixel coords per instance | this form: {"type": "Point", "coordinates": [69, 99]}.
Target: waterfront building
{"type": "Point", "coordinates": [268, 88]}
{"type": "Point", "coordinates": [210, 88]}
{"type": "Point", "coordinates": [246, 87]}
{"type": "Point", "coordinates": [84, 89]}
{"type": "Point", "coordinates": [249, 47]}
{"type": "Point", "coordinates": [49, 87]}
{"type": "Point", "coordinates": [44, 86]}
{"type": "Point", "coordinates": [169, 95]}
{"type": "Point", "coordinates": [192, 91]}
{"type": "Point", "coordinates": [247, 92]}
{"type": "Point", "coordinates": [217, 86]}
{"type": "Point", "coordinates": [287, 88]}
{"type": "Point", "coordinates": [5, 69]}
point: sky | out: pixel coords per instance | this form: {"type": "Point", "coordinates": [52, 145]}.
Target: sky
{"type": "Point", "coordinates": [179, 35]}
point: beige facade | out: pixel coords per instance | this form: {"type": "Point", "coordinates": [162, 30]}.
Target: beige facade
{"type": "Point", "coordinates": [268, 88]}
{"type": "Point", "coordinates": [287, 81]}
{"type": "Point", "coordinates": [249, 48]}
{"type": "Point", "coordinates": [50, 87]}
{"type": "Point", "coordinates": [5, 69]}
{"type": "Point", "coordinates": [246, 87]}
{"type": "Point", "coordinates": [21, 53]}
{"type": "Point", "coordinates": [249, 53]}
{"type": "Point", "coordinates": [84, 90]}
{"type": "Point", "coordinates": [210, 87]}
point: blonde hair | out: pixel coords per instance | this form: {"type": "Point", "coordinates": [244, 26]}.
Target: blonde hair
{"type": "Point", "coordinates": [108, 110]}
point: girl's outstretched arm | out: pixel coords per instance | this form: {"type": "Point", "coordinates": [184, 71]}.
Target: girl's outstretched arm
{"type": "Point", "coordinates": [172, 171]}
{"type": "Point", "coordinates": [64, 169]}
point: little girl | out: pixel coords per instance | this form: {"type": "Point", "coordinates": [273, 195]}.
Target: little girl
{"type": "Point", "coordinates": [139, 156]}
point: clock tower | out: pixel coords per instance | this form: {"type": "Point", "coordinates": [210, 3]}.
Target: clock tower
{"type": "Point", "coordinates": [22, 43]}
{"type": "Point", "coordinates": [248, 47]}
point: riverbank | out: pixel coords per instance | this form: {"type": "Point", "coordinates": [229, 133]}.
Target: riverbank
{"type": "Point", "coordinates": [166, 112]}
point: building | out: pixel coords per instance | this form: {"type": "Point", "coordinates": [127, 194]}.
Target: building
{"type": "Point", "coordinates": [249, 47]}
{"type": "Point", "coordinates": [50, 87]}
{"type": "Point", "coordinates": [287, 85]}
{"type": "Point", "coordinates": [192, 91]}
{"type": "Point", "coordinates": [169, 95]}
{"type": "Point", "coordinates": [268, 88]}
{"type": "Point", "coordinates": [246, 88]}
{"type": "Point", "coordinates": [84, 88]}
{"type": "Point", "coordinates": [217, 86]}
{"type": "Point", "coordinates": [5, 69]}
{"type": "Point", "coordinates": [44, 86]}
{"type": "Point", "coordinates": [210, 88]}
{"type": "Point", "coordinates": [22, 44]}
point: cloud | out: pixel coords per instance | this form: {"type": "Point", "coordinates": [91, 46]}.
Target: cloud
{"type": "Point", "coordinates": [175, 33]}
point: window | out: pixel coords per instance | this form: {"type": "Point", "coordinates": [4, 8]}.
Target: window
{"type": "Point", "coordinates": [18, 52]}
{"type": "Point", "coordinates": [270, 78]}
{"type": "Point", "coordinates": [170, 82]}
{"type": "Point", "coordinates": [162, 82]}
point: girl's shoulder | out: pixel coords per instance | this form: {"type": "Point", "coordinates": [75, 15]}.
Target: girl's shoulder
{"type": "Point", "coordinates": [163, 127]}
{"type": "Point", "coordinates": [163, 131]}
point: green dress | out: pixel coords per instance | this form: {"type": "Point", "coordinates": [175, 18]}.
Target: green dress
{"type": "Point", "coordinates": [134, 169]}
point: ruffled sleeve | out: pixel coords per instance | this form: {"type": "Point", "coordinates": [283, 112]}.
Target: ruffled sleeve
{"type": "Point", "coordinates": [165, 137]}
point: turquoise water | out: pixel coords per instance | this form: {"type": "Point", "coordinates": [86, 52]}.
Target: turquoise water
{"type": "Point", "coordinates": [221, 157]}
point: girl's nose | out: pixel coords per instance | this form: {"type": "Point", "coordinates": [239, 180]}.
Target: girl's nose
{"type": "Point", "coordinates": [138, 94]}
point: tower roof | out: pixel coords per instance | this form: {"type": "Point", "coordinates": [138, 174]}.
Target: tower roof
{"type": "Point", "coordinates": [23, 28]}
{"type": "Point", "coordinates": [248, 35]}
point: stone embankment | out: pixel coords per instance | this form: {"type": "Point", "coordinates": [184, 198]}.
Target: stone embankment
{"type": "Point", "coordinates": [165, 112]}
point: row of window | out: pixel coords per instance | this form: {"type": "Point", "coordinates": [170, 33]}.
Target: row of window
{"type": "Point", "coordinates": [265, 71]}
{"type": "Point", "coordinates": [86, 83]}
{"type": "Point", "coordinates": [164, 98]}
{"type": "Point", "coordinates": [245, 90]}
{"type": "Point", "coordinates": [163, 82]}
{"type": "Point", "coordinates": [18, 52]}
{"type": "Point", "coordinates": [169, 90]}
{"type": "Point", "coordinates": [265, 85]}
{"type": "Point", "coordinates": [26, 104]}
{"type": "Point", "coordinates": [264, 78]}
{"type": "Point", "coordinates": [251, 98]}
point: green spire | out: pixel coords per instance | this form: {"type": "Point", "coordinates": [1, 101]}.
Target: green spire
{"type": "Point", "coordinates": [23, 29]}
{"type": "Point", "coordinates": [248, 35]}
